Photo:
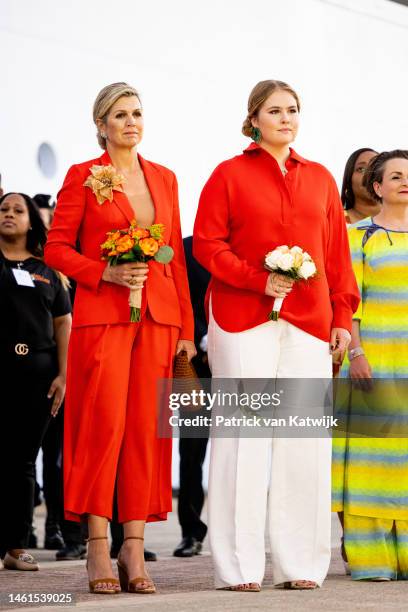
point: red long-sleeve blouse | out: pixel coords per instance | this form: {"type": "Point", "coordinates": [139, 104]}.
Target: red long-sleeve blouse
{"type": "Point", "coordinates": [248, 208]}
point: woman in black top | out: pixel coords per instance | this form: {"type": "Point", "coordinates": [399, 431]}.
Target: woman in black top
{"type": "Point", "coordinates": [34, 331]}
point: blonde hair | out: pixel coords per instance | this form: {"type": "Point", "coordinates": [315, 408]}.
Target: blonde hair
{"type": "Point", "coordinates": [257, 97]}
{"type": "Point", "coordinates": [105, 99]}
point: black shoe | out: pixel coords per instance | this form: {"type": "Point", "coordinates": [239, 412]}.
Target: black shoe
{"type": "Point", "coordinates": [149, 555]}
{"type": "Point", "coordinates": [188, 547]}
{"type": "Point", "coordinates": [71, 552]}
{"type": "Point", "coordinates": [53, 539]}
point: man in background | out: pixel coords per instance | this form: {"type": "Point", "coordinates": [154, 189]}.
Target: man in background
{"type": "Point", "coordinates": [192, 450]}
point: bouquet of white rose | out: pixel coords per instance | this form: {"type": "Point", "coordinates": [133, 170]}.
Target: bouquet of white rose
{"type": "Point", "coordinates": [292, 262]}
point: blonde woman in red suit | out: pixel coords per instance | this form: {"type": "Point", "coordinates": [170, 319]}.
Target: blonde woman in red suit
{"type": "Point", "coordinates": [113, 365]}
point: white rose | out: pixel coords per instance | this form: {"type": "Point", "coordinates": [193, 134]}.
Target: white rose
{"type": "Point", "coordinates": [286, 261]}
{"type": "Point", "coordinates": [306, 256]}
{"type": "Point", "coordinates": [298, 259]}
{"type": "Point", "coordinates": [271, 259]}
{"type": "Point", "coordinates": [283, 248]}
{"type": "Point", "coordinates": [296, 249]}
{"type": "Point", "coordinates": [307, 269]}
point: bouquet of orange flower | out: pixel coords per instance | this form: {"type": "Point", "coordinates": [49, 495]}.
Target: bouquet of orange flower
{"type": "Point", "coordinates": [136, 244]}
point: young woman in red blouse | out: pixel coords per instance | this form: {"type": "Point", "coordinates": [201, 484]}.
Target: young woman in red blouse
{"type": "Point", "coordinates": [266, 197]}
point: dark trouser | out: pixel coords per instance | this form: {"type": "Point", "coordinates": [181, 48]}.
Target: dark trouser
{"type": "Point", "coordinates": [116, 528]}
{"type": "Point", "coordinates": [52, 476]}
{"type": "Point", "coordinates": [25, 414]}
{"type": "Point", "coordinates": [73, 532]}
{"type": "Point", "coordinates": [191, 493]}
{"type": "Point", "coordinates": [192, 454]}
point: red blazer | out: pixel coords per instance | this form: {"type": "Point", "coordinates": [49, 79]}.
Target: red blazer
{"type": "Point", "coordinates": [79, 218]}
{"type": "Point", "coordinates": [248, 208]}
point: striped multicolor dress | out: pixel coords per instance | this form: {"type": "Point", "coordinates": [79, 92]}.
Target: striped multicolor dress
{"type": "Point", "coordinates": [370, 474]}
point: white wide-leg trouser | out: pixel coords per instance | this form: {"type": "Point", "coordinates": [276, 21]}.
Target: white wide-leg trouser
{"type": "Point", "coordinates": [289, 477]}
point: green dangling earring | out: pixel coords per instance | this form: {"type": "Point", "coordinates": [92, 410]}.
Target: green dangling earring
{"type": "Point", "coordinates": [256, 135]}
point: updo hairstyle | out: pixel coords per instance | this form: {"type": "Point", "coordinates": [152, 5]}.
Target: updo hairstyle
{"type": "Point", "coordinates": [257, 97]}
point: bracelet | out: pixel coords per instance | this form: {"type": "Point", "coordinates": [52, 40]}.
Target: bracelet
{"type": "Point", "coordinates": [355, 352]}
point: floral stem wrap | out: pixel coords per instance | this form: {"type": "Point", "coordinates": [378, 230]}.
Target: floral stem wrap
{"type": "Point", "coordinates": [277, 305]}
{"type": "Point", "coordinates": [135, 303]}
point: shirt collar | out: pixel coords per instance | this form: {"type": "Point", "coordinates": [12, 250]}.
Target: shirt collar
{"type": "Point", "coordinates": [293, 155]}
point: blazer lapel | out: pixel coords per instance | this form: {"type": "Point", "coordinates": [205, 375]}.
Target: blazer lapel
{"type": "Point", "coordinates": [159, 194]}
{"type": "Point", "coordinates": [157, 190]}
{"type": "Point", "coordinates": [119, 198]}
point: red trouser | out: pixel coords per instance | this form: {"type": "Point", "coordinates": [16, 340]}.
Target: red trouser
{"type": "Point", "coordinates": [111, 421]}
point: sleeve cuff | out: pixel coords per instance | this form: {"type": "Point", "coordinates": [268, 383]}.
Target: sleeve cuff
{"type": "Point", "coordinates": [186, 333]}
{"type": "Point", "coordinates": [342, 317]}
{"type": "Point", "coordinates": [258, 282]}
{"type": "Point", "coordinates": [95, 276]}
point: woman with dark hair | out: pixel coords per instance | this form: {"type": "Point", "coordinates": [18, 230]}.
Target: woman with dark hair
{"type": "Point", "coordinates": [370, 474]}
{"type": "Point", "coordinates": [358, 204]}
{"type": "Point", "coordinates": [267, 197]}
{"type": "Point", "coordinates": [35, 326]}
{"type": "Point", "coordinates": [357, 201]}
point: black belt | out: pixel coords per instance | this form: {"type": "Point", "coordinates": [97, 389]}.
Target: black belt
{"type": "Point", "coordinates": [22, 349]}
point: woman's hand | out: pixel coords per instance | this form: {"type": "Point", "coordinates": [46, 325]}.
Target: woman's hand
{"type": "Point", "coordinates": [339, 340]}
{"type": "Point", "coordinates": [131, 275]}
{"type": "Point", "coordinates": [188, 346]}
{"type": "Point", "coordinates": [278, 285]}
{"type": "Point", "coordinates": [57, 390]}
{"type": "Point", "coordinates": [361, 373]}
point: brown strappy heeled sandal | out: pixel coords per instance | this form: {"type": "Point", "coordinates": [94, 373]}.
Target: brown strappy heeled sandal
{"type": "Point", "coordinates": [93, 584]}
{"type": "Point", "coordinates": [245, 587]}
{"type": "Point", "coordinates": [301, 585]}
{"type": "Point", "coordinates": [132, 586]}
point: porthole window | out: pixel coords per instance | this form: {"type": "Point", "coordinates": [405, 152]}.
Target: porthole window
{"type": "Point", "coordinates": [47, 160]}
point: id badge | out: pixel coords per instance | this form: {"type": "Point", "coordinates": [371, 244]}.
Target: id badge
{"type": "Point", "coordinates": [23, 278]}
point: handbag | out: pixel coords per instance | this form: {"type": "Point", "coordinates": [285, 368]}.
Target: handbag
{"type": "Point", "coordinates": [185, 379]}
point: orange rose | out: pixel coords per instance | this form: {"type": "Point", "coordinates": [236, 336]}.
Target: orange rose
{"type": "Point", "coordinates": [161, 242]}
{"type": "Point", "coordinates": [124, 244]}
{"type": "Point", "coordinates": [113, 253]}
{"type": "Point", "coordinates": [138, 233]}
{"type": "Point", "coordinates": [113, 236]}
{"type": "Point", "coordinates": [149, 246]}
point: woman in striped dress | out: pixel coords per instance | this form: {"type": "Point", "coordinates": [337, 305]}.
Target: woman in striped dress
{"type": "Point", "coordinates": [370, 474]}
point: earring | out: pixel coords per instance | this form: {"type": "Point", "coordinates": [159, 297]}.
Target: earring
{"type": "Point", "coordinates": [103, 134]}
{"type": "Point", "coordinates": [256, 134]}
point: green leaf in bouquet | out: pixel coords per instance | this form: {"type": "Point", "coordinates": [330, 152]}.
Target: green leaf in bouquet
{"type": "Point", "coordinates": [127, 256]}
{"type": "Point", "coordinates": [164, 255]}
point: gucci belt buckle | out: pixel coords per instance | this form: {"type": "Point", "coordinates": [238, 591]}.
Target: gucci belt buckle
{"type": "Point", "coordinates": [21, 349]}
